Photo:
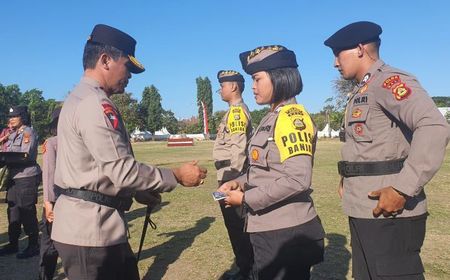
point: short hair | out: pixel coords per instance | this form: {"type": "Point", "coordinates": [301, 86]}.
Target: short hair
{"type": "Point", "coordinates": [93, 50]}
{"type": "Point", "coordinates": [286, 82]}
{"type": "Point", "coordinates": [241, 86]}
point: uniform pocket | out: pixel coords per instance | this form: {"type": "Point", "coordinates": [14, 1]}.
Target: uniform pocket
{"type": "Point", "coordinates": [358, 123]}
{"type": "Point", "coordinates": [259, 151]}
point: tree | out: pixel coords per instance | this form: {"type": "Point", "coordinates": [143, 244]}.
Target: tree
{"type": "Point", "coordinates": [128, 108]}
{"type": "Point", "coordinates": [441, 101]}
{"type": "Point", "coordinates": [215, 120]}
{"type": "Point", "coordinates": [342, 88]}
{"type": "Point", "coordinates": [39, 111]}
{"type": "Point", "coordinates": [151, 108]}
{"type": "Point", "coordinates": [204, 93]}
{"type": "Point", "coordinates": [169, 121]}
{"type": "Point", "coordinates": [319, 120]}
{"type": "Point", "coordinates": [257, 116]}
{"type": "Point", "coordinates": [9, 96]}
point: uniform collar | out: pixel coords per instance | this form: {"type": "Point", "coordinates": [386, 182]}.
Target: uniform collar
{"type": "Point", "coordinates": [291, 100]}
{"type": "Point", "coordinates": [89, 81]}
{"type": "Point", "coordinates": [373, 68]}
{"type": "Point", "coordinates": [237, 103]}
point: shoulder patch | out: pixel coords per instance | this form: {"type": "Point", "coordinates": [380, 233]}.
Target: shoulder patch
{"type": "Point", "coordinates": [111, 114]}
{"type": "Point", "coordinates": [294, 132]}
{"type": "Point", "coordinates": [399, 89]}
{"type": "Point", "coordinates": [237, 120]}
{"type": "Point", "coordinates": [26, 137]}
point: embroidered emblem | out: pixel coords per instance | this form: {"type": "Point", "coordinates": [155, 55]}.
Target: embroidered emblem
{"type": "Point", "coordinates": [358, 129]}
{"type": "Point", "coordinates": [356, 113]}
{"type": "Point", "coordinates": [255, 155]}
{"type": "Point", "coordinates": [299, 124]}
{"type": "Point", "coordinates": [111, 114]}
{"type": "Point", "coordinates": [26, 138]}
{"type": "Point", "coordinates": [391, 81]}
{"type": "Point", "coordinates": [237, 121]}
{"type": "Point", "coordinates": [237, 117]}
{"type": "Point", "coordinates": [366, 78]}
{"type": "Point", "coordinates": [401, 91]}
{"type": "Point", "coordinates": [363, 88]}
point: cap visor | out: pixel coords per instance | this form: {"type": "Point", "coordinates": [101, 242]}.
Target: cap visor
{"type": "Point", "coordinates": [134, 65]}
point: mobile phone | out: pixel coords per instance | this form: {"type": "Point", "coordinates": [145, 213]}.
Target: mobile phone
{"type": "Point", "coordinates": [219, 195]}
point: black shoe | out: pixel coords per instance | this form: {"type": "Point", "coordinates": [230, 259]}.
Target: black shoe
{"type": "Point", "coordinates": [9, 249]}
{"type": "Point", "coordinates": [30, 251]}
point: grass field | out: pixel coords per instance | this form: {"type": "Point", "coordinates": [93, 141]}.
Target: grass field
{"type": "Point", "coordinates": [191, 241]}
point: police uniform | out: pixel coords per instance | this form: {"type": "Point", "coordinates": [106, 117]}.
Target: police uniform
{"type": "Point", "coordinates": [23, 192]}
{"type": "Point", "coordinates": [285, 231]}
{"type": "Point", "coordinates": [230, 158]}
{"type": "Point", "coordinates": [48, 253]}
{"type": "Point", "coordinates": [394, 136]}
{"type": "Point", "coordinates": [97, 175]}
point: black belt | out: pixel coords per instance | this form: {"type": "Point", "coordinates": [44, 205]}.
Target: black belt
{"type": "Point", "coordinates": [222, 164]}
{"type": "Point", "coordinates": [119, 203]}
{"type": "Point", "coordinates": [372, 168]}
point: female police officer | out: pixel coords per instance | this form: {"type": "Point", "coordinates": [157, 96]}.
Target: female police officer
{"type": "Point", "coordinates": [23, 191]}
{"type": "Point", "coordinates": [285, 231]}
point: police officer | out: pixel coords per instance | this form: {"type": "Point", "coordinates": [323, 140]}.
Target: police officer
{"type": "Point", "coordinates": [23, 192]}
{"type": "Point", "coordinates": [395, 140]}
{"type": "Point", "coordinates": [96, 172]}
{"type": "Point", "coordinates": [285, 231]}
{"type": "Point", "coordinates": [230, 159]}
{"type": "Point", "coordinates": [48, 253]}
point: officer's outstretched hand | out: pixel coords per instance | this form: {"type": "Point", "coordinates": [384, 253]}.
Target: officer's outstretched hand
{"type": "Point", "coordinates": [149, 198]}
{"type": "Point", "coordinates": [390, 202]}
{"type": "Point", "coordinates": [229, 186]}
{"type": "Point", "coordinates": [190, 174]}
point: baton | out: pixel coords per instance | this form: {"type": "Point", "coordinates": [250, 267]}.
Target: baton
{"type": "Point", "coordinates": [147, 221]}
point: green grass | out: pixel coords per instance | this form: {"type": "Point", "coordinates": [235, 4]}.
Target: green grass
{"type": "Point", "coordinates": [191, 241]}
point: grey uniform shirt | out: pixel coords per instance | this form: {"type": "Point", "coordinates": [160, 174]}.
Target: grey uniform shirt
{"type": "Point", "coordinates": [94, 153]}
{"type": "Point", "coordinates": [278, 193]}
{"type": "Point", "coordinates": [48, 168]}
{"type": "Point", "coordinates": [390, 116]}
{"type": "Point", "coordinates": [24, 140]}
{"type": "Point", "coordinates": [230, 145]}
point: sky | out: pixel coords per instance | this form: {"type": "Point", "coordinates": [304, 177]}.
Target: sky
{"type": "Point", "coordinates": [41, 42]}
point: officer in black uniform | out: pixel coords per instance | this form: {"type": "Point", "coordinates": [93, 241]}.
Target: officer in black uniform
{"type": "Point", "coordinates": [22, 192]}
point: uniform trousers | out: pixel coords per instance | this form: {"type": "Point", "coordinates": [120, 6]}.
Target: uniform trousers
{"type": "Point", "coordinates": [288, 253]}
{"type": "Point", "coordinates": [115, 262]}
{"type": "Point", "coordinates": [234, 219]}
{"type": "Point", "coordinates": [22, 198]}
{"type": "Point", "coordinates": [48, 253]}
{"type": "Point", "coordinates": [387, 249]}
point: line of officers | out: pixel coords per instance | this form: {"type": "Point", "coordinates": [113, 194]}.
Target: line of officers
{"type": "Point", "coordinates": [394, 142]}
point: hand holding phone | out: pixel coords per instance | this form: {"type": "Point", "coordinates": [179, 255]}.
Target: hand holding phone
{"type": "Point", "coordinates": [219, 195]}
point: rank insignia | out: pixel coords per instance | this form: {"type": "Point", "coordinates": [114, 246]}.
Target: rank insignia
{"type": "Point", "coordinates": [401, 91]}
{"type": "Point", "coordinates": [255, 155]}
{"type": "Point", "coordinates": [111, 114]}
{"type": "Point", "coordinates": [366, 78]}
{"type": "Point", "coordinates": [299, 124]}
{"type": "Point", "coordinates": [358, 129]}
{"type": "Point", "coordinates": [356, 113]}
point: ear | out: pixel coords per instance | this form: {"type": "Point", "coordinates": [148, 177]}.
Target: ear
{"type": "Point", "coordinates": [361, 50]}
{"type": "Point", "coordinates": [104, 61]}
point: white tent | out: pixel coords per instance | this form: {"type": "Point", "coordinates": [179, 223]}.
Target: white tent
{"type": "Point", "coordinates": [327, 131]}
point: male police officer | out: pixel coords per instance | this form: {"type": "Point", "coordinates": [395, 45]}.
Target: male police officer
{"type": "Point", "coordinates": [96, 171]}
{"type": "Point", "coordinates": [23, 192]}
{"type": "Point", "coordinates": [230, 160]}
{"type": "Point", "coordinates": [395, 140]}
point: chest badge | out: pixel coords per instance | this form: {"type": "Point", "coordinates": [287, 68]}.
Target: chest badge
{"type": "Point", "coordinates": [356, 113]}
{"type": "Point", "coordinates": [359, 129]}
{"type": "Point", "coordinates": [401, 91]}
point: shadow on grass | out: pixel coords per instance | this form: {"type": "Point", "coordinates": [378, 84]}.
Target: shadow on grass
{"type": "Point", "coordinates": [337, 258]}
{"type": "Point", "coordinates": [168, 252]}
{"type": "Point", "coordinates": [140, 212]}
